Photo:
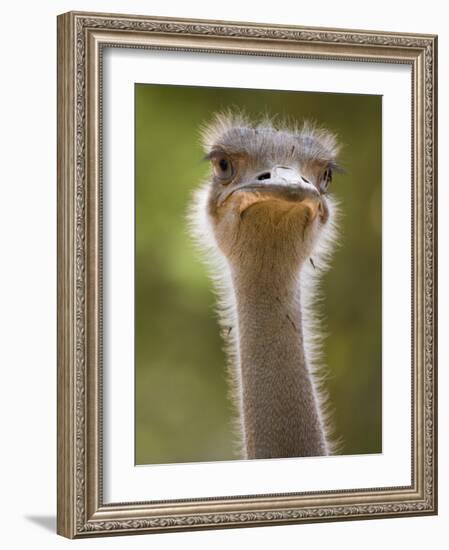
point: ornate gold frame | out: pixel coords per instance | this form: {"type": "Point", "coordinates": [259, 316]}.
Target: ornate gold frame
{"type": "Point", "coordinates": [81, 39]}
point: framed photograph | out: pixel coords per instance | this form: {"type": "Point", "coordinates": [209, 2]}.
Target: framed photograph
{"type": "Point", "coordinates": [246, 274]}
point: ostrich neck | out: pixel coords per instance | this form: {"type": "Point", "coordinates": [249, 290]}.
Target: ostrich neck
{"type": "Point", "coordinates": [279, 409]}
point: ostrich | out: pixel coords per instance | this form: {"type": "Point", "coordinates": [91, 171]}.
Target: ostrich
{"type": "Point", "coordinates": [267, 225]}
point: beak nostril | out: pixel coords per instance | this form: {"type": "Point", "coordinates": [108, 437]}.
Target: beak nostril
{"type": "Point", "coordinates": [305, 179]}
{"type": "Point", "coordinates": [264, 176]}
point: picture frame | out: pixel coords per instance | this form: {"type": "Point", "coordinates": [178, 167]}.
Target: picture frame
{"type": "Point", "coordinates": [83, 39]}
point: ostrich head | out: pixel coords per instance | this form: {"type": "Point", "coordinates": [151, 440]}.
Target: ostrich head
{"type": "Point", "coordinates": [268, 189]}
{"type": "Point", "coordinates": [264, 211]}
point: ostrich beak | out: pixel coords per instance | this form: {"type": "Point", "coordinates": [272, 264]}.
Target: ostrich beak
{"type": "Point", "coordinates": [283, 183]}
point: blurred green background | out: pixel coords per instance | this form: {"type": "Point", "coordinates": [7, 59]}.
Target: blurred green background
{"type": "Point", "coordinates": [182, 409]}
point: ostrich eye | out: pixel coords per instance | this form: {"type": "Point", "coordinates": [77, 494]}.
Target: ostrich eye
{"type": "Point", "coordinates": [326, 180]}
{"type": "Point", "coordinates": [223, 169]}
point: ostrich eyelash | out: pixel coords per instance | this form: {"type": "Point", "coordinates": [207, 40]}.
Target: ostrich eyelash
{"type": "Point", "coordinates": [326, 181]}
{"type": "Point", "coordinates": [214, 154]}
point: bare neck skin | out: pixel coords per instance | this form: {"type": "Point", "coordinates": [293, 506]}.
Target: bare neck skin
{"type": "Point", "coordinates": [279, 408]}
